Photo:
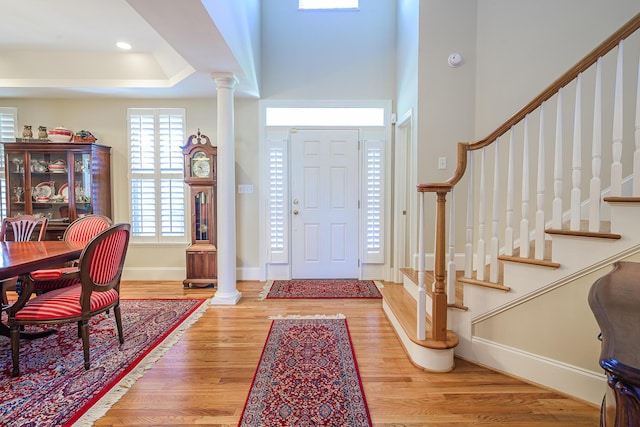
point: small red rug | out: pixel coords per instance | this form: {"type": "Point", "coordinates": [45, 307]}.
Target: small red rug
{"type": "Point", "coordinates": [322, 288]}
{"type": "Point", "coordinates": [54, 389]}
{"type": "Point", "coordinates": [307, 376]}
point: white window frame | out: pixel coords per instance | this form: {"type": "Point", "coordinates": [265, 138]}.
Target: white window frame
{"type": "Point", "coordinates": [157, 175]}
{"type": "Point", "coordinates": [8, 131]}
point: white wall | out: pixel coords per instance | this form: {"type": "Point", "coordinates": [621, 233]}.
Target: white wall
{"type": "Point", "coordinates": [407, 56]}
{"type": "Point", "coordinates": [523, 46]}
{"type": "Point", "coordinates": [328, 54]}
{"type": "Point", "coordinates": [446, 96]}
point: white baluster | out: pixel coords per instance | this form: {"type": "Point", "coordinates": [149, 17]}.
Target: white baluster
{"type": "Point", "coordinates": [482, 245]}
{"type": "Point", "coordinates": [468, 247]}
{"type": "Point", "coordinates": [451, 264]}
{"type": "Point", "coordinates": [576, 160]}
{"type": "Point", "coordinates": [636, 153]}
{"type": "Point", "coordinates": [595, 185]}
{"type": "Point", "coordinates": [524, 222]}
{"type": "Point", "coordinates": [508, 232]}
{"type": "Point", "coordinates": [495, 242]}
{"type": "Point", "coordinates": [616, 166]}
{"type": "Point", "coordinates": [422, 294]}
{"type": "Point", "coordinates": [539, 230]}
{"type": "Point", "coordinates": [556, 217]}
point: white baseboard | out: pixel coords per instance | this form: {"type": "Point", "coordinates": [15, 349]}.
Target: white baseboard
{"type": "Point", "coordinates": [178, 274]}
{"type": "Point", "coordinates": [567, 379]}
{"type": "Point", "coordinates": [154, 273]}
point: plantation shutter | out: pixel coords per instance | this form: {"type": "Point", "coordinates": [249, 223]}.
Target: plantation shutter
{"type": "Point", "coordinates": [373, 192]}
{"type": "Point", "coordinates": [157, 186]}
{"type": "Point", "coordinates": [278, 217]}
{"type": "Point", "coordinates": [8, 120]}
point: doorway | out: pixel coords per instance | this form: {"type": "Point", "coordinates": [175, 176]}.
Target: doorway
{"type": "Point", "coordinates": [350, 178]}
{"type": "Point", "coordinates": [403, 185]}
{"type": "Point", "coordinates": [324, 198]}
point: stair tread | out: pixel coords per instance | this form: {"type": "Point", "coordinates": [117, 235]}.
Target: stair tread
{"type": "Point", "coordinates": [546, 261]}
{"type": "Point", "coordinates": [484, 283]}
{"type": "Point", "coordinates": [529, 260]}
{"type": "Point", "coordinates": [603, 233]}
{"type": "Point", "coordinates": [619, 199]}
{"type": "Point", "coordinates": [404, 309]}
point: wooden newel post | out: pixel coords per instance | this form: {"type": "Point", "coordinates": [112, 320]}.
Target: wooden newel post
{"type": "Point", "coordinates": [439, 297]}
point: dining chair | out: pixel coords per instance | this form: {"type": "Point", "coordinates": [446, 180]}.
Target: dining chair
{"type": "Point", "coordinates": [20, 228]}
{"type": "Point", "coordinates": [99, 273]}
{"type": "Point", "coordinates": [82, 229]}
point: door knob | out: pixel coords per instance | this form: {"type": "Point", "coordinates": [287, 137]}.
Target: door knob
{"type": "Point", "coordinates": [295, 212]}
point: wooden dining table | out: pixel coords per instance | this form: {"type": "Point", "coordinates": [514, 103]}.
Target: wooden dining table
{"type": "Point", "coordinates": [19, 258]}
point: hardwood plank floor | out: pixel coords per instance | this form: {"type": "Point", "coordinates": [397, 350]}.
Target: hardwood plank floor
{"type": "Point", "coordinates": [205, 377]}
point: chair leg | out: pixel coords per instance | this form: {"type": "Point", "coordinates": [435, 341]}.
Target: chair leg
{"type": "Point", "coordinates": [84, 328]}
{"type": "Point", "coordinates": [116, 312]}
{"type": "Point", "coordinates": [15, 349]}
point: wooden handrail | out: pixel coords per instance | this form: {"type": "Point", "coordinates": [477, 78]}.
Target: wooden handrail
{"type": "Point", "coordinates": [591, 58]}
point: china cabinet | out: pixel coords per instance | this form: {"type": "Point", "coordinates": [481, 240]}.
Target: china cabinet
{"type": "Point", "coordinates": [60, 181]}
{"type": "Point", "coordinates": [200, 175]}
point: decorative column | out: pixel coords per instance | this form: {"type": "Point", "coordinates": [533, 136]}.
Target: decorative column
{"type": "Point", "coordinates": [227, 293]}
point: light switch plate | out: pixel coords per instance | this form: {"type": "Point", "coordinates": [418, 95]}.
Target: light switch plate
{"type": "Point", "coordinates": [442, 162]}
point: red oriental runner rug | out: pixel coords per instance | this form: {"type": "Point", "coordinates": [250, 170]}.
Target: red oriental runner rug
{"type": "Point", "coordinates": [54, 389]}
{"type": "Point", "coordinates": [307, 376]}
{"type": "Point", "coordinates": [321, 288]}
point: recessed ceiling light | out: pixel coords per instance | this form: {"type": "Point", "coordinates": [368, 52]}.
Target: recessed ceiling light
{"type": "Point", "coordinates": [123, 45]}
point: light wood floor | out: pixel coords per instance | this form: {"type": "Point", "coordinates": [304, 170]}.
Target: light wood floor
{"type": "Point", "coordinates": [205, 377]}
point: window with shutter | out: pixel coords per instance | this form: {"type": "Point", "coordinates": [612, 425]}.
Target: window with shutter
{"type": "Point", "coordinates": [8, 120]}
{"type": "Point", "coordinates": [158, 212]}
{"type": "Point", "coordinates": [278, 214]}
{"type": "Point", "coordinates": [373, 209]}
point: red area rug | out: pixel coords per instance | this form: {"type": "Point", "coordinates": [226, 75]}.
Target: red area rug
{"type": "Point", "coordinates": [54, 389]}
{"type": "Point", "coordinates": [321, 288]}
{"type": "Point", "coordinates": [307, 376]}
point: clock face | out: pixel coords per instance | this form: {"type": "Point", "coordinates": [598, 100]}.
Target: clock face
{"type": "Point", "coordinates": [200, 166]}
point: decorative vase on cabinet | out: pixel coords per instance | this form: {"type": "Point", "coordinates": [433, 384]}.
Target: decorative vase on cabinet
{"type": "Point", "coordinates": [59, 181]}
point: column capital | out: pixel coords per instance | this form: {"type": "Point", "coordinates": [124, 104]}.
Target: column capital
{"type": "Point", "coordinates": [224, 80]}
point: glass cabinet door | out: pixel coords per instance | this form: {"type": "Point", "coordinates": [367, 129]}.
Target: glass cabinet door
{"type": "Point", "coordinates": [50, 186]}
{"type": "Point", "coordinates": [82, 183]}
{"type": "Point", "coordinates": [16, 185]}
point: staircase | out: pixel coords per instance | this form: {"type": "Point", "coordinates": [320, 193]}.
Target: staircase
{"type": "Point", "coordinates": [517, 250]}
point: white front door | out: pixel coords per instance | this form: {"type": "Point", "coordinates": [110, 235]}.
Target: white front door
{"type": "Point", "coordinates": [324, 210]}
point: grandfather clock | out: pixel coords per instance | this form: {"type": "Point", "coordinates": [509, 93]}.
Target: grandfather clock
{"type": "Point", "coordinates": [200, 176]}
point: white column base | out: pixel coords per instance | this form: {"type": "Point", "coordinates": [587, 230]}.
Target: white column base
{"type": "Point", "coordinates": [226, 299]}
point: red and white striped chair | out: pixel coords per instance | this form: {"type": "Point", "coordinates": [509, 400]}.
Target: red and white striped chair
{"type": "Point", "coordinates": [82, 229]}
{"type": "Point", "coordinates": [99, 273]}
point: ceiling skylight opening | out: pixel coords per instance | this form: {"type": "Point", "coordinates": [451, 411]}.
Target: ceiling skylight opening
{"type": "Point", "coordinates": [124, 45]}
{"type": "Point", "coordinates": [327, 4]}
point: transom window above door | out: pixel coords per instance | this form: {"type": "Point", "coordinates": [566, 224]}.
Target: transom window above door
{"type": "Point", "coordinates": [323, 116]}
{"type": "Point", "coordinates": [327, 4]}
